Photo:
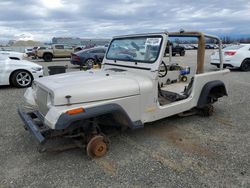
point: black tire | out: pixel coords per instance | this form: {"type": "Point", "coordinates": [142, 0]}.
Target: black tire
{"type": "Point", "coordinates": [182, 53]}
{"type": "Point", "coordinates": [245, 65]}
{"type": "Point", "coordinates": [173, 54]}
{"type": "Point", "coordinates": [21, 79]}
{"type": "Point", "coordinates": [89, 63]}
{"type": "Point", "coordinates": [47, 57]}
{"type": "Point", "coordinates": [184, 78]}
{"type": "Point", "coordinates": [207, 110]}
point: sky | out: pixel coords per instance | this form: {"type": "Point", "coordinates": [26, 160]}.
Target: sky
{"type": "Point", "coordinates": [44, 19]}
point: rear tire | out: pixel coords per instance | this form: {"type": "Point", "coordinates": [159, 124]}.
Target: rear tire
{"type": "Point", "coordinates": [245, 65]}
{"type": "Point", "coordinates": [47, 57]}
{"type": "Point", "coordinates": [182, 53]}
{"type": "Point", "coordinates": [207, 111]}
{"type": "Point", "coordinates": [21, 79]}
{"type": "Point", "coordinates": [173, 54]}
{"type": "Point", "coordinates": [184, 78]}
{"type": "Point", "coordinates": [89, 63]}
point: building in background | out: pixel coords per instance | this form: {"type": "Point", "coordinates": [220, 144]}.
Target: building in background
{"type": "Point", "coordinates": [79, 41]}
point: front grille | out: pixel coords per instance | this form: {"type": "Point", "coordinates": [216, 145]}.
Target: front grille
{"type": "Point", "coordinates": [41, 101]}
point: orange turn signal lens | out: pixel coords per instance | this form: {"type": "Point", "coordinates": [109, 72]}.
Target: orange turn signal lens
{"type": "Point", "coordinates": [75, 111]}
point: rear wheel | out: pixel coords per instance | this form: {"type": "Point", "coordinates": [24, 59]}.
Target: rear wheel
{"type": "Point", "coordinates": [208, 110]}
{"type": "Point", "coordinates": [21, 79]}
{"type": "Point", "coordinates": [47, 57]}
{"type": "Point", "coordinates": [90, 63]}
{"type": "Point", "coordinates": [245, 65]}
{"type": "Point", "coordinates": [182, 53]}
{"type": "Point", "coordinates": [184, 78]}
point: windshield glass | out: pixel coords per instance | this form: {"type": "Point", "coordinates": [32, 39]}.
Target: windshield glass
{"type": "Point", "coordinates": [136, 49]}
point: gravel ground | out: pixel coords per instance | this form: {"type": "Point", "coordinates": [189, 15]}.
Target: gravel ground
{"type": "Point", "coordinates": [174, 152]}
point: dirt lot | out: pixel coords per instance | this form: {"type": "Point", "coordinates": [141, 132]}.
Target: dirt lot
{"type": "Point", "coordinates": [175, 152]}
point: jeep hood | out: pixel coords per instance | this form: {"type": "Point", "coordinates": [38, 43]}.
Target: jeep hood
{"type": "Point", "coordinates": [88, 86]}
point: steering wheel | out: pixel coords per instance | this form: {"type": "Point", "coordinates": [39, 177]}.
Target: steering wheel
{"type": "Point", "coordinates": [163, 70]}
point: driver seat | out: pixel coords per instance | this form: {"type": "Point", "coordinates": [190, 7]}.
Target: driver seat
{"type": "Point", "coordinates": [172, 96]}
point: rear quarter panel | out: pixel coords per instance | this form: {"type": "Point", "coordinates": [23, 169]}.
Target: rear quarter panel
{"type": "Point", "coordinates": [184, 105]}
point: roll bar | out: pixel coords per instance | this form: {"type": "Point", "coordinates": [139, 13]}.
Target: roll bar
{"type": "Point", "coordinates": [201, 46]}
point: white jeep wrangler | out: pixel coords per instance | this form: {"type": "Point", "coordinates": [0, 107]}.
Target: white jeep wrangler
{"type": "Point", "coordinates": [132, 88]}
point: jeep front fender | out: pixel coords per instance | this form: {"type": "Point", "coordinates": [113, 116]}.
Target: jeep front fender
{"type": "Point", "coordinates": [65, 120]}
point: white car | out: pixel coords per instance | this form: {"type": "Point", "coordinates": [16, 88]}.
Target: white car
{"type": "Point", "coordinates": [13, 55]}
{"type": "Point", "coordinates": [19, 73]}
{"type": "Point", "coordinates": [235, 56]}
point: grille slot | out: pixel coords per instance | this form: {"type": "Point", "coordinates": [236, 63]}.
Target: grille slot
{"type": "Point", "coordinates": [42, 101]}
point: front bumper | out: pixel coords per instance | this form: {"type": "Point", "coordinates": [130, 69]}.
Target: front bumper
{"type": "Point", "coordinates": [36, 128]}
{"type": "Point", "coordinates": [37, 74]}
{"type": "Point", "coordinates": [224, 64]}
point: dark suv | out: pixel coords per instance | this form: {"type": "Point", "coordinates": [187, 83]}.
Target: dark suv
{"type": "Point", "coordinates": [176, 49]}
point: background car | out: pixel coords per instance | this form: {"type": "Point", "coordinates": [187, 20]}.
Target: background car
{"type": "Point", "coordinates": [19, 73]}
{"type": "Point", "coordinates": [36, 48]}
{"type": "Point", "coordinates": [234, 56]}
{"type": "Point", "coordinates": [188, 47]}
{"type": "Point", "coordinates": [29, 52]}
{"type": "Point", "coordinates": [176, 49]}
{"type": "Point", "coordinates": [88, 57]}
{"type": "Point", "coordinates": [209, 46]}
{"type": "Point", "coordinates": [84, 47]}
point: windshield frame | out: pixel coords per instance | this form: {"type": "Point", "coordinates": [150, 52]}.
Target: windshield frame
{"type": "Point", "coordinates": [133, 37]}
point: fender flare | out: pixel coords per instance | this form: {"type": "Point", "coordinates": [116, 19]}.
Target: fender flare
{"type": "Point", "coordinates": [65, 120]}
{"type": "Point", "coordinates": [210, 91]}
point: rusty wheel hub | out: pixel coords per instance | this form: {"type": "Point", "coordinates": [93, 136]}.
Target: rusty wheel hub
{"type": "Point", "coordinates": [97, 146]}
{"type": "Point", "coordinates": [207, 111]}
{"type": "Point", "coordinates": [210, 110]}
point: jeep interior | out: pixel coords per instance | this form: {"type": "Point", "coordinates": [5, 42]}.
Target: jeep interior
{"type": "Point", "coordinates": [171, 87]}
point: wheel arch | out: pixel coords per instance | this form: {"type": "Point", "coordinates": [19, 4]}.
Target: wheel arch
{"type": "Point", "coordinates": [48, 53]}
{"type": "Point", "coordinates": [210, 92]}
{"type": "Point", "coordinates": [248, 58]}
{"type": "Point", "coordinates": [11, 74]}
{"type": "Point", "coordinates": [89, 57]}
{"type": "Point", "coordinates": [116, 111]}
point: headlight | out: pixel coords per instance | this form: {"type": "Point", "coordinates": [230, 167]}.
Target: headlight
{"type": "Point", "coordinates": [50, 100]}
{"type": "Point", "coordinates": [37, 68]}
{"type": "Point", "coordinates": [25, 55]}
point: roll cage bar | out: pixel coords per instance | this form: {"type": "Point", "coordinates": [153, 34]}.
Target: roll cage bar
{"type": "Point", "coordinates": [201, 47]}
